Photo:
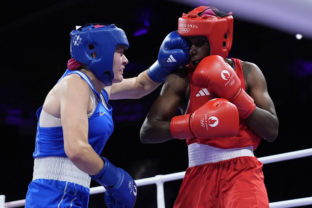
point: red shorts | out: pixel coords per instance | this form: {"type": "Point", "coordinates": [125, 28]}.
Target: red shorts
{"type": "Point", "coordinates": [234, 183]}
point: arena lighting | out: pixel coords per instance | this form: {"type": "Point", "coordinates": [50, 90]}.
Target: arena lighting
{"type": "Point", "coordinates": [302, 68]}
{"type": "Point", "coordinates": [140, 32]}
{"type": "Point", "coordinates": [291, 16]}
{"type": "Point", "coordinates": [142, 18]}
{"type": "Point", "coordinates": [298, 36]}
{"type": "Point", "coordinates": [13, 117]}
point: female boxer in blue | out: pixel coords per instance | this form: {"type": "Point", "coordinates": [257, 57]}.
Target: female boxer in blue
{"type": "Point", "coordinates": [75, 120]}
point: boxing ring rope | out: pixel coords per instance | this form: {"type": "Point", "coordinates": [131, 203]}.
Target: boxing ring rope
{"type": "Point", "coordinates": [159, 181]}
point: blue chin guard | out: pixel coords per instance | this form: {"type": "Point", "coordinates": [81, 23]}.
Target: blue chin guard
{"type": "Point", "coordinates": [94, 46]}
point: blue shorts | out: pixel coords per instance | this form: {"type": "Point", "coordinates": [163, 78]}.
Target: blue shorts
{"type": "Point", "coordinates": [57, 194]}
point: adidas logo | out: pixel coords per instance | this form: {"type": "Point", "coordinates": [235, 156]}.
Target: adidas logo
{"type": "Point", "coordinates": [203, 92]}
{"type": "Point", "coordinates": [171, 59]}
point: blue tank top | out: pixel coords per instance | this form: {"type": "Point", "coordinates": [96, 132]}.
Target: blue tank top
{"type": "Point", "coordinates": [49, 140]}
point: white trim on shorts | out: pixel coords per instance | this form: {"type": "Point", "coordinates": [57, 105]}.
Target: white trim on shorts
{"type": "Point", "coordinates": [61, 169]}
{"type": "Point", "coordinates": [199, 154]}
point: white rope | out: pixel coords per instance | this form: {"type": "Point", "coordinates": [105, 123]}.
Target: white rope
{"type": "Point", "coordinates": [160, 179]}
{"type": "Point", "coordinates": [292, 203]}
{"type": "Point", "coordinates": [17, 203]}
{"type": "Point", "coordinates": [2, 200]}
{"type": "Point", "coordinates": [286, 156]}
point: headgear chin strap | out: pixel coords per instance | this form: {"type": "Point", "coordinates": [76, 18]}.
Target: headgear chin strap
{"type": "Point", "coordinates": [212, 23]}
{"type": "Point", "coordinates": [94, 47]}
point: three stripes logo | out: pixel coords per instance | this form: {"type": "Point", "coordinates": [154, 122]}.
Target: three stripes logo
{"type": "Point", "coordinates": [203, 92]}
{"type": "Point", "coordinates": [171, 59]}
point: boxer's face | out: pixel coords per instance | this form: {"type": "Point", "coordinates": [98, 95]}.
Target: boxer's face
{"type": "Point", "coordinates": [120, 62]}
{"type": "Point", "coordinates": [199, 48]}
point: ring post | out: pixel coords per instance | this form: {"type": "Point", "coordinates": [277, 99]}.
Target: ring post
{"type": "Point", "coordinates": [2, 201]}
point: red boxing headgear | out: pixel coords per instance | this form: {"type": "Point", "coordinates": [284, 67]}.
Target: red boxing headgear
{"type": "Point", "coordinates": [206, 21]}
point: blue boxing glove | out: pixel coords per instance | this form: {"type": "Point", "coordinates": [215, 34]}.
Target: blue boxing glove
{"type": "Point", "coordinates": [173, 52]}
{"type": "Point", "coordinates": [121, 190]}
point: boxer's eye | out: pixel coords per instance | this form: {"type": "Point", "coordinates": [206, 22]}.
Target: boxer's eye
{"type": "Point", "coordinates": [198, 41]}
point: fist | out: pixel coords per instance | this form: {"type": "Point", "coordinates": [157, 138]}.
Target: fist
{"type": "Point", "coordinates": [214, 73]}
{"type": "Point", "coordinates": [173, 52]}
{"type": "Point", "coordinates": [218, 76]}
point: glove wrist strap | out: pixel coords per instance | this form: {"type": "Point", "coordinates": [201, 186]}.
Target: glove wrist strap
{"type": "Point", "coordinates": [244, 103]}
{"type": "Point", "coordinates": [108, 176]}
{"type": "Point", "coordinates": [180, 127]}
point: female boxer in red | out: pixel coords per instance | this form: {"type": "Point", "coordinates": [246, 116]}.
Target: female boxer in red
{"type": "Point", "coordinates": [227, 110]}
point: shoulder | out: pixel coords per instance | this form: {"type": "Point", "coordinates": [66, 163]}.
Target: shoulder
{"type": "Point", "coordinates": [176, 88]}
{"type": "Point", "coordinates": [253, 74]}
{"type": "Point", "coordinates": [249, 66]}
{"type": "Point", "coordinates": [72, 85]}
{"type": "Point", "coordinates": [251, 69]}
{"type": "Point", "coordinates": [177, 81]}
{"type": "Point", "coordinates": [71, 90]}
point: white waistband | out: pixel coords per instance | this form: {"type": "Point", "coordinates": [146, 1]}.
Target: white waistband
{"type": "Point", "coordinates": [60, 168]}
{"type": "Point", "coordinates": [199, 154]}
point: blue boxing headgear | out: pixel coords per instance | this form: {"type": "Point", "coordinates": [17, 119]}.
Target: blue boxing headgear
{"type": "Point", "coordinates": [101, 41]}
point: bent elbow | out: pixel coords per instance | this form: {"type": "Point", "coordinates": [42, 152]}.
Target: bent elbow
{"type": "Point", "coordinates": [272, 136]}
{"type": "Point", "coordinates": [272, 131]}
{"type": "Point", "coordinates": [143, 135]}
{"type": "Point", "coordinates": [146, 132]}
{"type": "Point", "coordinates": [148, 135]}
{"type": "Point", "coordinates": [75, 152]}
{"type": "Point", "coordinates": [154, 131]}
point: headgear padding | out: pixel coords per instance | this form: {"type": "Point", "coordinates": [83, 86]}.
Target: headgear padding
{"type": "Point", "coordinates": [94, 46]}
{"type": "Point", "coordinates": [206, 21]}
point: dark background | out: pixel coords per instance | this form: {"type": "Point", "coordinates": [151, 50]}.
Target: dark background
{"type": "Point", "coordinates": [35, 49]}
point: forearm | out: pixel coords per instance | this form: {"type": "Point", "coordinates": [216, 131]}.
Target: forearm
{"type": "Point", "coordinates": [133, 88]}
{"type": "Point", "coordinates": [155, 132]}
{"type": "Point", "coordinates": [263, 123]}
{"type": "Point", "coordinates": [156, 127]}
{"type": "Point", "coordinates": [146, 84]}
{"type": "Point", "coordinates": [85, 158]}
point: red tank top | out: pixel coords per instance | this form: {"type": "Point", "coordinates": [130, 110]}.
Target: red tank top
{"type": "Point", "coordinates": [200, 95]}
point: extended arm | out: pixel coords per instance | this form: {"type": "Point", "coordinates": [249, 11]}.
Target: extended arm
{"type": "Point", "coordinates": [263, 120]}
{"type": "Point", "coordinates": [133, 88]}
{"type": "Point", "coordinates": [173, 53]}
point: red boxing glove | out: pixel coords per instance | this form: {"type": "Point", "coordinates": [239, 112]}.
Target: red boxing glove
{"type": "Point", "coordinates": [221, 79]}
{"type": "Point", "coordinates": [216, 118]}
